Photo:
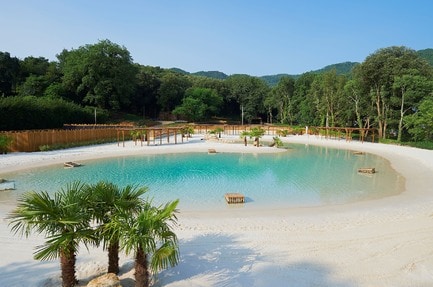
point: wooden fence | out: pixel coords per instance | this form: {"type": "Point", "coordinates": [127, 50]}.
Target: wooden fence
{"type": "Point", "coordinates": [29, 141]}
{"type": "Point", "coordinates": [32, 140]}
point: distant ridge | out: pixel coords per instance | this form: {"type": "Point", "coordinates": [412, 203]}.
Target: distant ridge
{"type": "Point", "coordinates": [208, 74]}
{"type": "Point", "coordinates": [272, 80]}
{"type": "Point", "coordinates": [211, 74]}
{"type": "Point", "coordinates": [426, 54]}
{"type": "Point", "coordinates": [344, 68]}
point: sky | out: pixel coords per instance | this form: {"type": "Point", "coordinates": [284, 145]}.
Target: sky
{"type": "Point", "coordinates": [254, 37]}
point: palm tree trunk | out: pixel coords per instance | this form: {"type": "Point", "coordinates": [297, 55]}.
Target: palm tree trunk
{"type": "Point", "coordinates": [142, 274]}
{"type": "Point", "coordinates": [113, 257]}
{"type": "Point", "coordinates": [67, 266]}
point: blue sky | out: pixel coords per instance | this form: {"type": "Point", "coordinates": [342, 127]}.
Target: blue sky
{"type": "Point", "coordinates": [232, 36]}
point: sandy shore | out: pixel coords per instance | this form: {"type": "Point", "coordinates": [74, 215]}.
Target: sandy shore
{"type": "Point", "coordinates": [385, 242]}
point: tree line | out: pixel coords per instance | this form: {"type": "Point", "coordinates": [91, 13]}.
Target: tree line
{"type": "Point", "coordinates": [391, 90]}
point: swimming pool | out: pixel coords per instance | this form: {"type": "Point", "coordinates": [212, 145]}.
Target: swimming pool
{"type": "Point", "coordinates": [305, 175]}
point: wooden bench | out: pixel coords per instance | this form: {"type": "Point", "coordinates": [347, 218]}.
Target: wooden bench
{"type": "Point", "coordinates": [234, 198]}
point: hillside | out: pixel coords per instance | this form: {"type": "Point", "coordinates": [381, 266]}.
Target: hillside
{"type": "Point", "coordinates": [344, 68]}
{"type": "Point", "coordinates": [210, 74]}
{"type": "Point", "coordinates": [426, 54]}
{"type": "Point", "coordinates": [341, 69]}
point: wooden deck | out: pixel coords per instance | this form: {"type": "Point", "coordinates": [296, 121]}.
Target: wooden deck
{"type": "Point", "coordinates": [234, 198]}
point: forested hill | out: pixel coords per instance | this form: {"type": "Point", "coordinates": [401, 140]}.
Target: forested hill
{"type": "Point", "coordinates": [272, 80]}
{"type": "Point", "coordinates": [209, 74]}
{"type": "Point", "coordinates": [340, 68]}
{"type": "Point", "coordinates": [426, 54]}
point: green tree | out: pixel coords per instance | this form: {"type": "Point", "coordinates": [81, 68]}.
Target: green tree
{"type": "Point", "coordinates": [144, 100]}
{"type": "Point", "coordinates": [199, 104]}
{"type": "Point", "coordinates": [102, 75]}
{"type": "Point", "coordinates": [37, 74]}
{"type": "Point", "coordinates": [305, 111]}
{"type": "Point", "coordinates": [34, 66]}
{"type": "Point", "coordinates": [107, 200]}
{"type": "Point", "coordinates": [329, 98]}
{"type": "Point", "coordinates": [284, 92]}
{"type": "Point", "coordinates": [9, 74]}
{"type": "Point", "coordinates": [249, 92]}
{"type": "Point", "coordinates": [377, 74]}
{"type": "Point", "coordinates": [360, 104]}
{"type": "Point", "coordinates": [280, 98]}
{"type": "Point", "coordinates": [271, 103]}
{"type": "Point", "coordinates": [410, 90]}
{"type": "Point", "coordinates": [64, 221]}
{"type": "Point", "coordinates": [172, 90]}
{"type": "Point", "coordinates": [420, 124]}
{"type": "Point", "coordinates": [149, 236]}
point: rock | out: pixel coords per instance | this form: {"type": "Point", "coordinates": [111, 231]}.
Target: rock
{"type": "Point", "coordinates": [107, 280]}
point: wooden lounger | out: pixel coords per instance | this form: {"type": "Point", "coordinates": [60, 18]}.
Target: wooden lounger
{"type": "Point", "coordinates": [71, 164]}
{"type": "Point", "coordinates": [234, 198]}
{"type": "Point", "coordinates": [367, 170]}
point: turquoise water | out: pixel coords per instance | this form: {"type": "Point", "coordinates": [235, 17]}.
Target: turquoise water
{"type": "Point", "coordinates": [302, 176]}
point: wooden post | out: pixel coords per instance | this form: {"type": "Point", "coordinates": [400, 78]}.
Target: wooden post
{"type": "Point", "coordinates": [168, 135]}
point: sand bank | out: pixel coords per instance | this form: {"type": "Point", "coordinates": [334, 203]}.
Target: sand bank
{"type": "Point", "coordinates": [385, 242]}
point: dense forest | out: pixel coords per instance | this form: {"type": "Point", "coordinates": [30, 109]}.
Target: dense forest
{"type": "Point", "coordinates": [391, 90]}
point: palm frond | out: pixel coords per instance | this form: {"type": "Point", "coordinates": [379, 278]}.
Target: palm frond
{"type": "Point", "coordinates": [165, 256]}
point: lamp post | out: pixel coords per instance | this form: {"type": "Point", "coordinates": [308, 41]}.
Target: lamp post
{"type": "Point", "coordinates": [242, 114]}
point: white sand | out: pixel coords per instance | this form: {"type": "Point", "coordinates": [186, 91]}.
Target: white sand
{"type": "Point", "coordinates": [385, 242]}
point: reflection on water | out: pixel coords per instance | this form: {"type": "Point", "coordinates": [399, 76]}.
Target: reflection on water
{"type": "Point", "coordinates": [302, 176]}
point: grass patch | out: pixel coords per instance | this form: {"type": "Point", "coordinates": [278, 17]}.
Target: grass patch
{"type": "Point", "coordinates": [72, 145]}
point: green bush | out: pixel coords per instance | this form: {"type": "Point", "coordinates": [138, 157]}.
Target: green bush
{"type": "Point", "coordinates": [26, 113]}
{"type": "Point", "coordinates": [283, 133]}
{"type": "Point", "coordinates": [5, 143]}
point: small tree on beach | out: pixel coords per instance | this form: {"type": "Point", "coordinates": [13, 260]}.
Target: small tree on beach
{"type": "Point", "coordinates": [149, 236]}
{"type": "Point", "coordinates": [256, 133]}
{"type": "Point", "coordinates": [5, 142]}
{"type": "Point", "coordinates": [64, 221]}
{"type": "Point", "coordinates": [107, 200]}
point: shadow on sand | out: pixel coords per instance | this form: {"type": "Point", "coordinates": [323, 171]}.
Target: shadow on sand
{"type": "Point", "coordinates": [219, 260]}
{"type": "Point", "coordinates": [208, 260]}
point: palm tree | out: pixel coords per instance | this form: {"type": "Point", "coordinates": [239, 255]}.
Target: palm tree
{"type": "Point", "coordinates": [62, 219]}
{"type": "Point", "coordinates": [149, 236]}
{"type": "Point", "coordinates": [257, 133]}
{"type": "Point", "coordinates": [106, 201]}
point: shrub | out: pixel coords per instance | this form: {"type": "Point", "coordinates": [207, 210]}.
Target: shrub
{"type": "Point", "coordinates": [5, 142]}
